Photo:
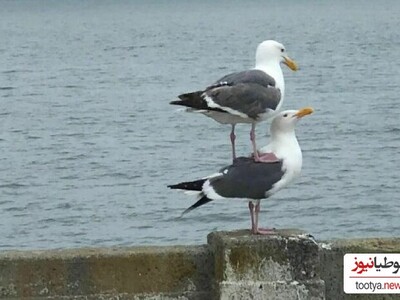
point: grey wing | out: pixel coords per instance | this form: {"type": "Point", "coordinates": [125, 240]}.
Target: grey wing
{"type": "Point", "coordinates": [250, 99]}
{"type": "Point", "coordinates": [249, 76]}
{"type": "Point", "coordinates": [247, 179]}
{"type": "Point", "coordinates": [250, 92]}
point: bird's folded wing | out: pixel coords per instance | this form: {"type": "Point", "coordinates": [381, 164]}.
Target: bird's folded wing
{"type": "Point", "coordinates": [246, 178]}
{"type": "Point", "coordinates": [244, 99]}
{"type": "Point", "coordinates": [249, 76]}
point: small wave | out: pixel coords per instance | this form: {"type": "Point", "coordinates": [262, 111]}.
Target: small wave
{"type": "Point", "coordinates": [10, 209]}
{"type": "Point", "coordinates": [12, 185]}
{"type": "Point", "coordinates": [74, 134]}
{"type": "Point", "coordinates": [47, 220]}
{"type": "Point", "coordinates": [5, 202]}
{"type": "Point", "coordinates": [370, 207]}
{"type": "Point", "coordinates": [142, 227]}
{"type": "Point", "coordinates": [17, 71]}
{"type": "Point", "coordinates": [73, 86]}
{"type": "Point", "coordinates": [116, 175]}
{"type": "Point", "coordinates": [69, 177]}
{"type": "Point", "coordinates": [32, 137]}
{"type": "Point", "coordinates": [127, 48]}
{"type": "Point", "coordinates": [74, 157]}
{"type": "Point", "coordinates": [393, 130]}
{"type": "Point", "coordinates": [322, 149]}
{"type": "Point", "coordinates": [64, 206]}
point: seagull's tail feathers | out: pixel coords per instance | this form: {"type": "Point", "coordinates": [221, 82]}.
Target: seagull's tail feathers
{"type": "Point", "coordinates": [193, 187]}
{"type": "Point", "coordinates": [203, 200]}
{"type": "Point", "coordinates": [192, 96]}
{"type": "Point", "coordinates": [196, 185]}
{"type": "Point", "coordinates": [195, 102]}
{"type": "Point", "coordinates": [192, 100]}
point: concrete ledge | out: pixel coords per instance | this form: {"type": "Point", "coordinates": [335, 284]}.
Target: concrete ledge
{"type": "Point", "coordinates": [234, 265]}
{"type": "Point", "coordinates": [283, 266]}
{"type": "Point", "coordinates": [100, 273]}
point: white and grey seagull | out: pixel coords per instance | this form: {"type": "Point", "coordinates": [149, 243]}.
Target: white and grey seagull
{"type": "Point", "coordinates": [245, 97]}
{"type": "Point", "coordinates": [251, 180]}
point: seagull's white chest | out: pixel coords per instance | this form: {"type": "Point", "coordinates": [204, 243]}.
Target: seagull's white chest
{"type": "Point", "coordinates": [292, 171]}
{"type": "Point", "coordinates": [292, 162]}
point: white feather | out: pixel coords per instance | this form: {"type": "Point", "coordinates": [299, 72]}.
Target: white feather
{"type": "Point", "coordinates": [212, 104]}
{"type": "Point", "coordinates": [192, 193]}
{"type": "Point", "coordinates": [209, 191]}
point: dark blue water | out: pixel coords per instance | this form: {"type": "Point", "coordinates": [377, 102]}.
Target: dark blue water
{"type": "Point", "coordinates": [88, 141]}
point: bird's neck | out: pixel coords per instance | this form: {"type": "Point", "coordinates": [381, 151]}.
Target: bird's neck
{"type": "Point", "coordinates": [273, 69]}
{"type": "Point", "coordinates": [285, 145]}
{"type": "Point", "coordinates": [288, 150]}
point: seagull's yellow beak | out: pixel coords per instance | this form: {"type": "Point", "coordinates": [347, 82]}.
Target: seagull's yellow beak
{"type": "Point", "coordinates": [304, 112]}
{"type": "Point", "coordinates": [290, 63]}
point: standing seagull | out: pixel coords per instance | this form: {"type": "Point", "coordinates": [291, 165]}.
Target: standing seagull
{"type": "Point", "coordinates": [252, 180]}
{"type": "Point", "coordinates": [245, 97]}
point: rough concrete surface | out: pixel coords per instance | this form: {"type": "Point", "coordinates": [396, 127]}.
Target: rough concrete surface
{"type": "Point", "coordinates": [234, 265]}
{"type": "Point", "coordinates": [282, 266]}
{"type": "Point", "coordinates": [104, 273]}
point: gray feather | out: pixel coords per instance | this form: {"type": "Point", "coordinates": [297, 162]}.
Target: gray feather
{"type": "Point", "coordinates": [249, 76]}
{"type": "Point", "coordinates": [246, 178]}
{"type": "Point", "coordinates": [249, 98]}
{"type": "Point", "coordinates": [251, 92]}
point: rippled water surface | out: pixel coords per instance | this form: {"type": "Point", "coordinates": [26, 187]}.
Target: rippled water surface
{"type": "Point", "coordinates": [88, 141]}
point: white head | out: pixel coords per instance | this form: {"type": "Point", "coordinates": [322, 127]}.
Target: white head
{"type": "Point", "coordinates": [286, 121]}
{"type": "Point", "coordinates": [272, 52]}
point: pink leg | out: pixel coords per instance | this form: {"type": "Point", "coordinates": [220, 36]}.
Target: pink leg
{"type": "Point", "coordinates": [268, 157]}
{"type": "Point", "coordinates": [251, 208]}
{"type": "Point", "coordinates": [253, 141]}
{"type": "Point", "coordinates": [264, 231]}
{"type": "Point", "coordinates": [233, 138]}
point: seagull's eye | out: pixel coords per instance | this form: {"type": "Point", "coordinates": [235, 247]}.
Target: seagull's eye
{"type": "Point", "coordinates": [285, 115]}
{"type": "Point", "coordinates": [282, 50]}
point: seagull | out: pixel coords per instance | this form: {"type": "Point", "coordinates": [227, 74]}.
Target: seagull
{"type": "Point", "coordinates": [251, 180]}
{"type": "Point", "coordinates": [249, 96]}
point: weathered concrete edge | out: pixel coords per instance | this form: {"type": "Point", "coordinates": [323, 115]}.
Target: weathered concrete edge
{"type": "Point", "coordinates": [283, 266]}
{"type": "Point", "coordinates": [125, 296]}
{"type": "Point", "coordinates": [129, 273]}
{"type": "Point", "coordinates": [187, 271]}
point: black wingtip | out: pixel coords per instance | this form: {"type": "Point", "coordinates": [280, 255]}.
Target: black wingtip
{"type": "Point", "coordinates": [196, 185]}
{"type": "Point", "coordinates": [176, 102]}
{"type": "Point", "coordinates": [203, 200]}
{"type": "Point", "coordinates": [187, 99]}
{"type": "Point", "coordinates": [192, 100]}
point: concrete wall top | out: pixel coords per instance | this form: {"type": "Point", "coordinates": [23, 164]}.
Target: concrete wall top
{"type": "Point", "coordinates": [234, 265]}
{"type": "Point", "coordinates": [105, 272]}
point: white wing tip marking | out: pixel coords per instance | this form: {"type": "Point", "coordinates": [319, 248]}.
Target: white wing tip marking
{"type": "Point", "coordinates": [212, 104]}
{"type": "Point", "coordinates": [209, 191]}
{"type": "Point", "coordinates": [192, 193]}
